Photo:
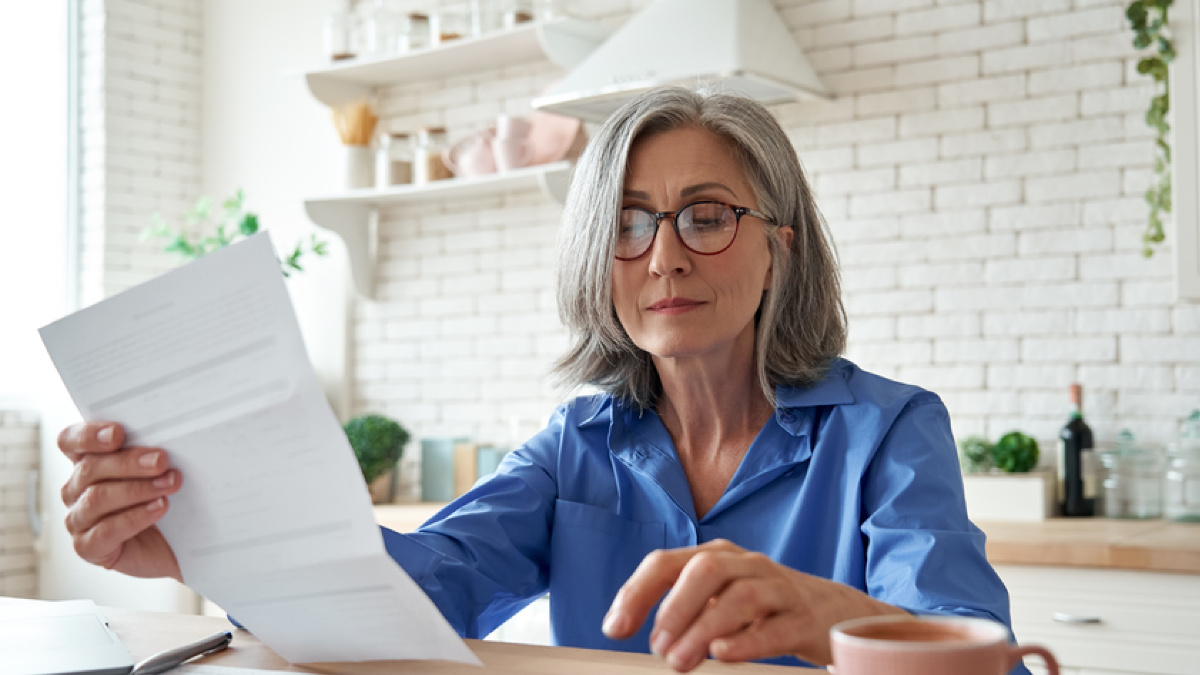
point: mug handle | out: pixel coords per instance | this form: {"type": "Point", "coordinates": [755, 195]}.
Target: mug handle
{"type": "Point", "coordinates": [1015, 653]}
{"type": "Point", "coordinates": [448, 160]}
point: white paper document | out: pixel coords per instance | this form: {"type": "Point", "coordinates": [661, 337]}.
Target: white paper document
{"type": "Point", "coordinates": [273, 521]}
{"type": "Point", "coordinates": [59, 638]}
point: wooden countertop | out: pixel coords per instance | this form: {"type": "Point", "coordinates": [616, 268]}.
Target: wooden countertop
{"type": "Point", "coordinates": [1150, 545]}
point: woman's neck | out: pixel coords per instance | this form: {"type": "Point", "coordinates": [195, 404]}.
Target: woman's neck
{"type": "Point", "coordinates": [715, 404]}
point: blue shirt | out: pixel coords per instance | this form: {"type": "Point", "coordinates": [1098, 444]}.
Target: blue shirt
{"type": "Point", "coordinates": [855, 479]}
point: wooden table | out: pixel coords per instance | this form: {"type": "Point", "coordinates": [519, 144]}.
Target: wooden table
{"type": "Point", "coordinates": [146, 633]}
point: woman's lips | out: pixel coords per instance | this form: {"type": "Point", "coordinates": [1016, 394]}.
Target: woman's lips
{"type": "Point", "coordinates": [671, 306]}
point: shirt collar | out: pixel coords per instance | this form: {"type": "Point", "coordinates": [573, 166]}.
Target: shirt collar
{"type": "Point", "coordinates": [790, 401]}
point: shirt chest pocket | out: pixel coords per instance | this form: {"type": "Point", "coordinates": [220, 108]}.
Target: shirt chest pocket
{"type": "Point", "coordinates": [598, 549]}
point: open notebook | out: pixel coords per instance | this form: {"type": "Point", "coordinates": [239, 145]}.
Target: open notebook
{"type": "Point", "coordinates": [59, 638]}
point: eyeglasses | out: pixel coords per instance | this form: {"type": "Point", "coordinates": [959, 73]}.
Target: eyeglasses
{"type": "Point", "coordinates": [707, 228]}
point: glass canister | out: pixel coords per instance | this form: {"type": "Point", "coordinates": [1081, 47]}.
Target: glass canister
{"type": "Point", "coordinates": [413, 33]}
{"type": "Point", "coordinates": [393, 161]}
{"type": "Point", "coordinates": [428, 164]}
{"type": "Point", "coordinates": [513, 13]}
{"type": "Point", "coordinates": [339, 31]}
{"type": "Point", "coordinates": [449, 22]}
{"type": "Point", "coordinates": [549, 10]}
{"type": "Point", "coordinates": [379, 30]}
{"type": "Point", "coordinates": [1132, 480]}
{"type": "Point", "coordinates": [1181, 487]}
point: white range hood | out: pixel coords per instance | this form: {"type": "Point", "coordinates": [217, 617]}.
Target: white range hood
{"type": "Point", "coordinates": [741, 46]}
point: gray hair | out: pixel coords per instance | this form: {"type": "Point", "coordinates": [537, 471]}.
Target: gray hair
{"type": "Point", "coordinates": [801, 325]}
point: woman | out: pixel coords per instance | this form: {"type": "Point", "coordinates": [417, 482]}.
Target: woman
{"type": "Point", "coordinates": [735, 469]}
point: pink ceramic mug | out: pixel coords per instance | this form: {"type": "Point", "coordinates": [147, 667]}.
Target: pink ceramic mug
{"type": "Point", "coordinates": [943, 645]}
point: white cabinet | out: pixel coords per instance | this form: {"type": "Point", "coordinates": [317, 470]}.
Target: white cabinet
{"type": "Point", "coordinates": [1107, 622]}
{"type": "Point", "coordinates": [530, 626]}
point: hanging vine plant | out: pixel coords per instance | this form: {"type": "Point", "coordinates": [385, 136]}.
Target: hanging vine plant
{"type": "Point", "coordinates": [1148, 18]}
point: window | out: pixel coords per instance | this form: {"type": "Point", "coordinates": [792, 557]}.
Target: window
{"type": "Point", "coordinates": [34, 181]}
{"type": "Point", "coordinates": [1185, 106]}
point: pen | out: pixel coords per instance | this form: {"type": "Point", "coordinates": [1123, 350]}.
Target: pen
{"type": "Point", "coordinates": [167, 660]}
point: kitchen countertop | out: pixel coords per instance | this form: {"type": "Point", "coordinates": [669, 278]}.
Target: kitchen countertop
{"type": "Point", "coordinates": [1148, 545]}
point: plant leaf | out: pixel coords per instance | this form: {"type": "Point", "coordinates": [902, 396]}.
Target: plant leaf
{"type": "Point", "coordinates": [249, 225]}
{"type": "Point", "coordinates": [1136, 13]}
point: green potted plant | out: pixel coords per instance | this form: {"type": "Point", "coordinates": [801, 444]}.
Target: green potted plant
{"type": "Point", "coordinates": [1002, 481]}
{"type": "Point", "coordinates": [378, 443]}
{"type": "Point", "coordinates": [231, 223]}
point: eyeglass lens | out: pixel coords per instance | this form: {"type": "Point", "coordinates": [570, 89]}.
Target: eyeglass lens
{"type": "Point", "coordinates": [706, 227]}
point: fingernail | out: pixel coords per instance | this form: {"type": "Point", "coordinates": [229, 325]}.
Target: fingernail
{"type": "Point", "coordinates": [164, 480]}
{"type": "Point", "coordinates": [105, 435]}
{"type": "Point", "coordinates": [148, 460]}
{"type": "Point", "coordinates": [156, 505]}
{"type": "Point", "coordinates": [612, 622]}
{"type": "Point", "coordinates": [660, 643]}
{"type": "Point", "coordinates": [680, 658]}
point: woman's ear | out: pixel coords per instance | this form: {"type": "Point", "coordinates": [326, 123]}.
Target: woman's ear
{"type": "Point", "coordinates": [785, 235]}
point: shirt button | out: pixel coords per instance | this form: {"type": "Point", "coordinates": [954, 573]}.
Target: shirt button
{"type": "Point", "coordinates": [787, 417]}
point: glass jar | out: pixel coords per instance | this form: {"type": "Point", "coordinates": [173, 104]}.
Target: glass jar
{"type": "Point", "coordinates": [379, 30]}
{"type": "Point", "coordinates": [428, 164]}
{"type": "Point", "coordinates": [393, 161]}
{"type": "Point", "coordinates": [338, 32]}
{"type": "Point", "coordinates": [1131, 484]}
{"type": "Point", "coordinates": [513, 13]}
{"type": "Point", "coordinates": [486, 16]}
{"type": "Point", "coordinates": [413, 32]}
{"type": "Point", "coordinates": [449, 22]}
{"type": "Point", "coordinates": [549, 10]}
{"type": "Point", "coordinates": [1181, 488]}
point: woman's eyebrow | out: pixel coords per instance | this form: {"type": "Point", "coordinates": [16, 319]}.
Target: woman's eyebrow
{"type": "Point", "coordinates": [685, 192]}
{"type": "Point", "coordinates": [701, 187]}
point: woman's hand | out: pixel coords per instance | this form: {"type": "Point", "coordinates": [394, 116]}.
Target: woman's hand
{"type": "Point", "coordinates": [734, 604]}
{"type": "Point", "coordinates": [114, 498]}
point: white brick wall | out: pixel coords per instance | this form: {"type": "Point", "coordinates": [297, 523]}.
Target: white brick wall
{"type": "Point", "coordinates": [980, 166]}
{"type": "Point", "coordinates": [140, 141]}
{"type": "Point", "coordinates": [19, 458]}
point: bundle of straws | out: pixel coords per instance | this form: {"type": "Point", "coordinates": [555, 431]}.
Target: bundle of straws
{"type": "Point", "coordinates": [355, 123]}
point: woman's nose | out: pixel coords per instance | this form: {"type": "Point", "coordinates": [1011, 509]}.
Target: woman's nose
{"type": "Point", "coordinates": [668, 255]}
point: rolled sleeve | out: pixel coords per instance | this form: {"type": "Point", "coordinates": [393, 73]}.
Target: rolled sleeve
{"type": "Point", "coordinates": [486, 555]}
{"type": "Point", "coordinates": [923, 554]}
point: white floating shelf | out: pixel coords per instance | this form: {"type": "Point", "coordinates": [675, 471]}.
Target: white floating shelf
{"type": "Point", "coordinates": [564, 42]}
{"type": "Point", "coordinates": [354, 215]}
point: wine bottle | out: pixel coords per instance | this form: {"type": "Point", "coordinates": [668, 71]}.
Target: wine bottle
{"type": "Point", "coordinates": [1076, 462]}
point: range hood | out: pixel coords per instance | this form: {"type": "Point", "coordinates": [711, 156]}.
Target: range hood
{"type": "Point", "coordinates": [738, 46]}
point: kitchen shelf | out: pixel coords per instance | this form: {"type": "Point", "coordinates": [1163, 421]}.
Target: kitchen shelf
{"type": "Point", "coordinates": [354, 215]}
{"type": "Point", "coordinates": [564, 42]}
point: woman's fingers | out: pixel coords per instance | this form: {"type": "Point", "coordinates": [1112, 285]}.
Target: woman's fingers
{"type": "Point", "coordinates": [741, 604]}
{"type": "Point", "coordinates": [104, 542]}
{"type": "Point", "coordinates": [658, 573]}
{"type": "Point", "coordinates": [88, 437]}
{"type": "Point", "coordinates": [652, 578]}
{"type": "Point", "coordinates": [95, 467]}
{"type": "Point", "coordinates": [105, 499]}
{"type": "Point", "coordinates": [706, 576]}
{"type": "Point", "coordinates": [765, 638]}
